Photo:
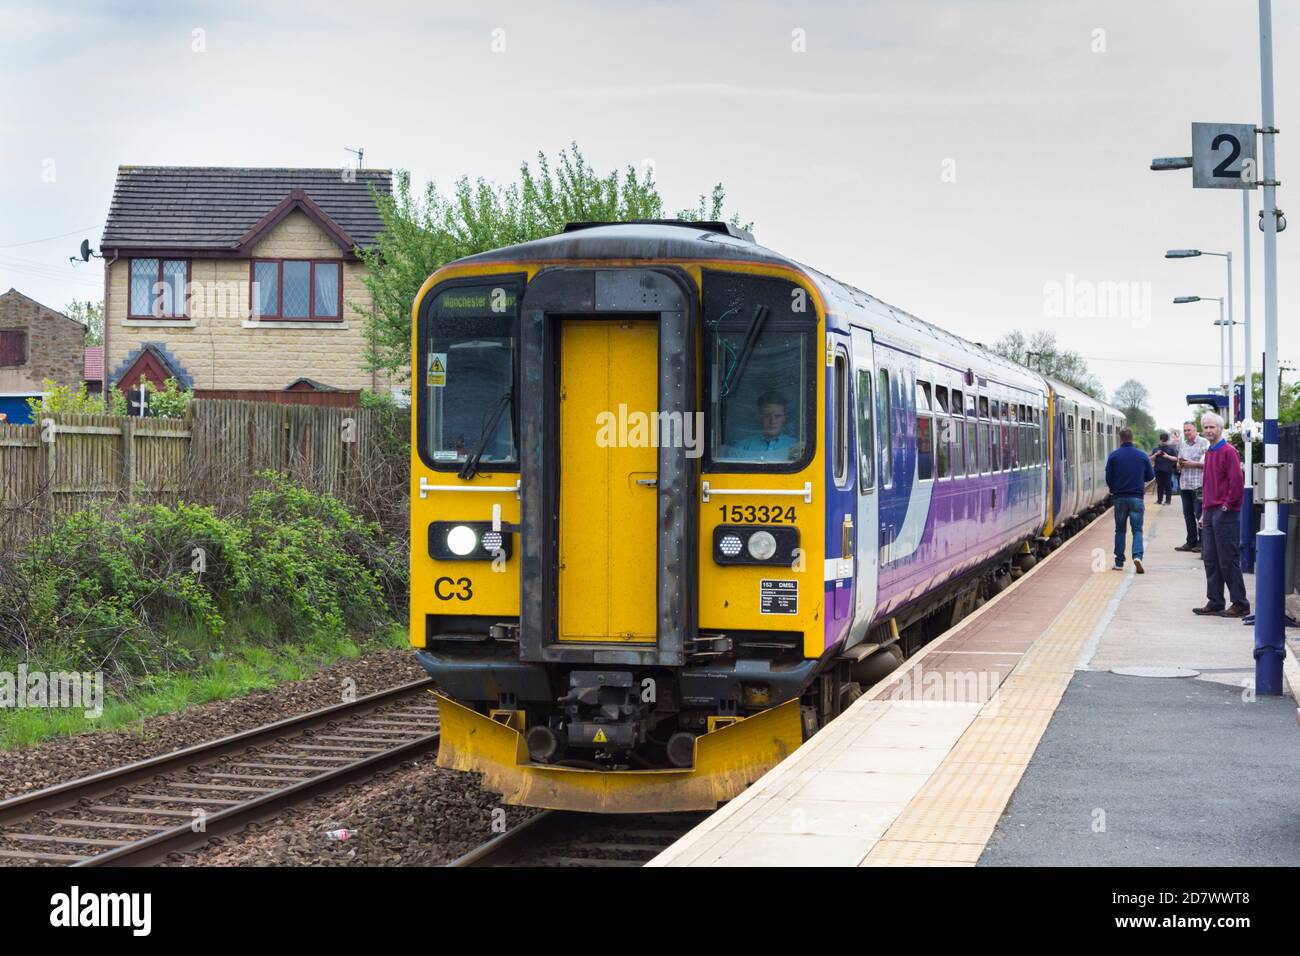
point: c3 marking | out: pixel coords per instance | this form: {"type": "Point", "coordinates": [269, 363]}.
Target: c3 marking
{"type": "Point", "coordinates": [464, 594]}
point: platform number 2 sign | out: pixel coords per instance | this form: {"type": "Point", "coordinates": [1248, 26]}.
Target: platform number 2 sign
{"type": "Point", "coordinates": [1223, 156]}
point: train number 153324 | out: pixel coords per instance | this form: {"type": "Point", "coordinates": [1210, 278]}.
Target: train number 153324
{"type": "Point", "coordinates": [757, 514]}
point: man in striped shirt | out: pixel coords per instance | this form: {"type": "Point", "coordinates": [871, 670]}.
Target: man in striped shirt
{"type": "Point", "coordinates": [1191, 475]}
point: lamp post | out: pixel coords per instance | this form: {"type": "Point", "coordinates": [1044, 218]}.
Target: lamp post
{"type": "Point", "coordinates": [1223, 325]}
{"type": "Point", "coordinates": [1188, 254]}
{"type": "Point", "coordinates": [1270, 647]}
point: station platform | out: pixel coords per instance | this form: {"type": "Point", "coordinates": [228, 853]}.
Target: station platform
{"type": "Point", "coordinates": [1038, 731]}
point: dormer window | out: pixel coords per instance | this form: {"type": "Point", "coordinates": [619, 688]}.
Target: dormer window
{"type": "Point", "coordinates": [293, 290]}
{"type": "Point", "coordinates": [159, 289]}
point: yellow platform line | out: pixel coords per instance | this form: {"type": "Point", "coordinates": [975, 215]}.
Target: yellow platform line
{"type": "Point", "coordinates": [950, 820]}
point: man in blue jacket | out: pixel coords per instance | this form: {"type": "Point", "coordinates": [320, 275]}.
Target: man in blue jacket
{"type": "Point", "coordinates": [1128, 470]}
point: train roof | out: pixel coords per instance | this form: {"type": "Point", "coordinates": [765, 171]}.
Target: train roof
{"type": "Point", "coordinates": [683, 239]}
{"type": "Point", "coordinates": [1077, 395]}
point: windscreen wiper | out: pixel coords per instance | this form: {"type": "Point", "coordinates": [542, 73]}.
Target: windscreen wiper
{"type": "Point", "coordinates": [470, 468]}
{"type": "Point", "coordinates": [747, 347]}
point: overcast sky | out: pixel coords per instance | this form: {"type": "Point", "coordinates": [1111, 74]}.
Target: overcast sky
{"type": "Point", "coordinates": [972, 162]}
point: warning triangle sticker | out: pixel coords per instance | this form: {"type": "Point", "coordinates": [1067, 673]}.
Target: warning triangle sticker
{"type": "Point", "coordinates": [600, 737]}
{"type": "Point", "coordinates": [436, 365]}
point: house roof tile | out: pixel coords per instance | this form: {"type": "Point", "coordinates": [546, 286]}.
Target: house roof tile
{"type": "Point", "coordinates": [214, 208]}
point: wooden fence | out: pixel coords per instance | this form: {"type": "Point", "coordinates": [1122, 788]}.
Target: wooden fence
{"type": "Point", "coordinates": [68, 463]}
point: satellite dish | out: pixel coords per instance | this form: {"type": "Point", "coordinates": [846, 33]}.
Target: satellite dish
{"type": "Point", "coordinates": [85, 250]}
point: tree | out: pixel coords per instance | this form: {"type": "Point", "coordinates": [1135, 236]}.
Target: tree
{"type": "Point", "coordinates": [1042, 353]}
{"type": "Point", "coordinates": [91, 315]}
{"type": "Point", "coordinates": [423, 233]}
{"type": "Point", "coordinates": [1131, 398]}
{"type": "Point", "coordinates": [1132, 394]}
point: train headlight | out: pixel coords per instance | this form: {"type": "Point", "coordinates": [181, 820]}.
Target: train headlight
{"type": "Point", "coordinates": [462, 540]}
{"type": "Point", "coordinates": [730, 545]}
{"type": "Point", "coordinates": [470, 540]}
{"type": "Point", "coordinates": [761, 545]}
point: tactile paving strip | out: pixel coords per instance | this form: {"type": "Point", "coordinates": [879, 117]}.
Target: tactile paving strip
{"type": "Point", "coordinates": [950, 820]}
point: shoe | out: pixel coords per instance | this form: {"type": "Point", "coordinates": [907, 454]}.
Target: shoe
{"type": "Point", "coordinates": [1117, 567]}
{"type": "Point", "coordinates": [1235, 610]}
{"type": "Point", "coordinates": [1185, 547]}
{"type": "Point", "coordinates": [1137, 565]}
{"type": "Point", "coordinates": [1208, 609]}
{"type": "Point", "coordinates": [1197, 548]}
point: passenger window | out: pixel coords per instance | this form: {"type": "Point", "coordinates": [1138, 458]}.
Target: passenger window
{"type": "Point", "coordinates": [924, 433]}
{"type": "Point", "coordinates": [886, 430]}
{"type": "Point", "coordinates": [866, 435]}
{"type": "Point", "coordinates": [983, 442]}
{"type": "Point", "coordinates": [943, 432]}
{"type": "Point", "coordinates": [1008, 462]}
{"type": "Point", "coordinates": [840, 452]}
{"type": "Point", "coordinates": [958, 436]}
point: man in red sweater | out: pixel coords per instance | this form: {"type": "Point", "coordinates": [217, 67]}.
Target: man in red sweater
{"type": "Point", "coordinates": [1221, 522]}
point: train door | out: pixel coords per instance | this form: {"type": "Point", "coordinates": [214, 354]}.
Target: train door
{"type": "Point", "coordinates": [868, 497]}
{"type": "Point", "coordinates": [608, 504]}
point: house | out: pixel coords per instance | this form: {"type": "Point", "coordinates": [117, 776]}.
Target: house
{"type": "Point", "coordinates": [94, 370]}
{"type": "Point", "coordinates": [36, 343]}
{"type": "Point", "coordinates": [238, 278]}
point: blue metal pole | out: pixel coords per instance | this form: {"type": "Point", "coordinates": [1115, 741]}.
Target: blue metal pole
{"type": "Point", "coordinates": [1270, 543]}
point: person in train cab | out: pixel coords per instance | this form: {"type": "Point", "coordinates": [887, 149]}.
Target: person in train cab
{"type": "Point", "coordinates": [1128, 470]}
{"type": "Point", "coordinates": [1221, 494]}
{"type": "Point", "coordinates": [1164, 458]}
{"type": "Point", "coordinates": [772, 443]}
{"type": "Point", "coordinates": [1191, 473]}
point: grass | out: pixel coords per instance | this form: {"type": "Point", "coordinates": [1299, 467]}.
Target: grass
{"type": "Point", "coordinates": [251, 658]}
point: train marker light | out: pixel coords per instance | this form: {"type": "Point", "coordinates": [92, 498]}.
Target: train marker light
{"type": "Point", "coordinates": [730, 545]}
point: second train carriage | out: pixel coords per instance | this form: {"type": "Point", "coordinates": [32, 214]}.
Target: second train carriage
{"type": "Point", "coordinates": [676, 498]}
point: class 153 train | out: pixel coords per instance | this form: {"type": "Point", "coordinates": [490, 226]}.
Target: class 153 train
{"type": "Point", "coordinates": [677, 500]}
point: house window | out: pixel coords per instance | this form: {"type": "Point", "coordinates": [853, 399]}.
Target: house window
{"type": "Point", "coordinates": [13, 349]}
{"type": "Point", "coordinates": [158, 288]}
{"type": "Point", "coordinates": [300, 290]}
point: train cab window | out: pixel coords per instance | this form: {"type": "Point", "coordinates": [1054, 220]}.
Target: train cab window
{"type": "Point", "coordinates": [866, 434]}
{"type": "Point", "coordinates": [761, 380]}
{"type": "Point", "coordinates": [466, 377]}
{"type": "Point", "coordinates": [840, 449]}
{"type": "Point", "coordinates": [886, 430]}
{"type": "Point", "coordinates": [924, 433]}
{"type": "Point", "coordinates": [1039, 415]}
{"type": "Point", "coordinates": [943, 433]}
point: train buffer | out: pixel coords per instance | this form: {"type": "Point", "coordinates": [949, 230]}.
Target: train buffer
{"type": "Point", "coordinates": [1085, 717]}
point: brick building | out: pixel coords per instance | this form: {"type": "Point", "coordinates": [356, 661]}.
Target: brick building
{"type": "Point", "coordinates": [36, 343]}
{"type": "Point", "coordinates": [236, 278]}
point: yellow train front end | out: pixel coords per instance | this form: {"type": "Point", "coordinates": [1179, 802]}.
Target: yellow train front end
{"type": "Point", "coordinates": [616, 516]}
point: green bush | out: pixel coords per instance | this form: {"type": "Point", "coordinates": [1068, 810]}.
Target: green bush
{"type": "Point", "coordinates": [150, 588]}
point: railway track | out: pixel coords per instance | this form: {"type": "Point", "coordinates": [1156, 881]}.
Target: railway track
{"type": "Point", "coordinates": [139, 813]}
{"type": "Point", "coordinates": [563, 838]}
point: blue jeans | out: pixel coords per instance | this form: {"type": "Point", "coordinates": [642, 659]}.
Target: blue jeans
{"type": "Point", "coordinates": [1128, 511]}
